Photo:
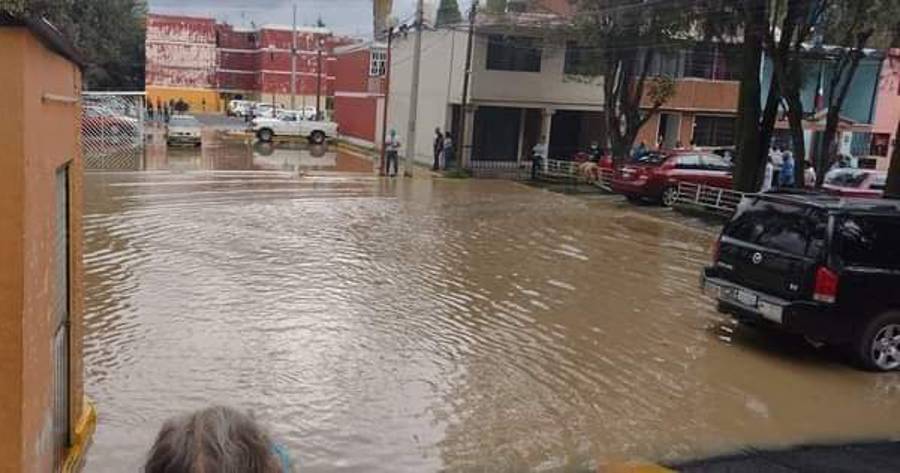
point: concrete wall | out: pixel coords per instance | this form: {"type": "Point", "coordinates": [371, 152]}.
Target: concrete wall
{"type": "Point", "coordinates": [28, 194]}
{"type": "Point", "coordinates": [549, 87]}
{"type": "Point", "coordinates": [12, 172]}
{"type": "Point", "coordinates": [443, 60]}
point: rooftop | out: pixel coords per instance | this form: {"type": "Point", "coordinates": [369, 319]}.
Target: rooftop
{"type": "Point", "coordinates": [831, 202]}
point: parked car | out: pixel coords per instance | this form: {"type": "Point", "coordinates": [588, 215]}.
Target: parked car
{"type": "Point", "coordinates": [855, 182]}
{"type": "Point", "coordinates": [266, 110]}
{"type": "Point", "coordinates": [292, 124]}
{"type": "Point", "coordinates": [656, 175]}
{"type": "Point", "coordinates": [184, 129]}
{"type": "Point", "coordinates": [98, 121]}
{"type": "Point", "coordinates": [816, 265]}
{"type": "Point", "coordinates": [240, 108]}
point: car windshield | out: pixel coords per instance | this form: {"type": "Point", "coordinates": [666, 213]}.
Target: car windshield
{"type": "Point", "coordinates": [789, 228]}
{"type": "Point", "coordinates": [651, 159]}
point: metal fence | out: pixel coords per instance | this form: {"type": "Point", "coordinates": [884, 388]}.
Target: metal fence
{"type": "Point", "coordinates": [519, 171]}
{"type": "Point", "coordinates": [575, 172]}
{"type": "Point", "coordinates": [112, 130]}
{"type": "Point", "coordinates": [716, 199]}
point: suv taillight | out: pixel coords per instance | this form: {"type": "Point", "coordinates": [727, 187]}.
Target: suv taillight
{"type": "Point", "coordinates": [826, 285]}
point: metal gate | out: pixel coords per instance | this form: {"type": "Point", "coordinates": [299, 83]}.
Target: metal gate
{"type": "Point", "coordinates": [61, 319]}
{"type": "Point", "coordinates": [112, 130]}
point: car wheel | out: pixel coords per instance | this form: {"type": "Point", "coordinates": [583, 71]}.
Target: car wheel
{"type": "Point", "coordinates": [317, 137]}
{"type": "Point", "coordinates": [878, 346]}
{"type": "Point", "coordinates": [669, 196]}
{"type": "Point", "coordinates": [265, 135]}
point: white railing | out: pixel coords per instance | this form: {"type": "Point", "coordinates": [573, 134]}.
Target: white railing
{"type": "Point", "coordinates": [717, 199]}
{"type": "Point", "coordinates": [112, 129]}
{"type": "Point", "coordinates": [577, 172]}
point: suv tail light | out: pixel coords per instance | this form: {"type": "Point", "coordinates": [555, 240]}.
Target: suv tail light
{"type": "Point", "coordinates": [826, 285]}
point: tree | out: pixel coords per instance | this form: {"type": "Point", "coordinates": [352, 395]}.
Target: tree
{"type": "Point", "coordinates": [448, 13]}
{"type": "Point", "coordinates": [109, 34]}
{"type": "Point", "coordinates": [620, 40]}
{"type": "Point", "coordinates": [320, 22]}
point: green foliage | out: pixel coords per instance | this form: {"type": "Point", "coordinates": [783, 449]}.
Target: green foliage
{"type": "Point", "coordinates": [109, 34]}
{"type": "Point", "coordinates": [448, 13]}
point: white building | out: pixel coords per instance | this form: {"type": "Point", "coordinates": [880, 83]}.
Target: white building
{"type": "Point", "coordinates": [519, 91]}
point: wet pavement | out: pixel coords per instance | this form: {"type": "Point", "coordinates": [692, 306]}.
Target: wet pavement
{"type": "Point", "coordinates": [430, 325]}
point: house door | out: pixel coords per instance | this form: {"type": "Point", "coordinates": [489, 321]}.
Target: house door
{"type": "Point", "coordinates": [61, 320]}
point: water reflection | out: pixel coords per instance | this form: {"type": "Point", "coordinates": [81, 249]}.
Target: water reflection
{"type": "Point", "coordinates": [414, 325]}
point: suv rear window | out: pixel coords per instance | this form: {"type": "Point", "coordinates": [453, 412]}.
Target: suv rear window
{"type": "Point", "coordinates": [792, 229]}
{"type": "Point", "coordinates": [869, 241]}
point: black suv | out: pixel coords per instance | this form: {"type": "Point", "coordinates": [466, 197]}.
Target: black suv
{"type": "Point", "coordinates": [815, 265]}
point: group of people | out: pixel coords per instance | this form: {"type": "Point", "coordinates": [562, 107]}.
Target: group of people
{"type": "Point", "coordinates": [164, 110]}
{"type": "Point", "coordinates": [443, 149]}
{"type": "Point", "coordinates": [787, 175]}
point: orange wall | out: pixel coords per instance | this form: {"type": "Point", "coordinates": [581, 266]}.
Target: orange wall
{"type": "Point", "coordinates": [11, 241]}
{"type": "Point", "coordinates": [712, 96]}
{"type": "Point", "coordinates": [42, 73]}
{"type": "Point", "coordinates": [194, 97]}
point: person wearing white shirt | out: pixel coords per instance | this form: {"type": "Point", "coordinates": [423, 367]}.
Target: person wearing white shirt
{"type": "Point", "coordinates": [809, 176]}
{"type": "Point", "coordinates": [768, 176]}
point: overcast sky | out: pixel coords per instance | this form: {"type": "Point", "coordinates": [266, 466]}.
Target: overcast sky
{"type": "Point", "coordinates": [350, 17]}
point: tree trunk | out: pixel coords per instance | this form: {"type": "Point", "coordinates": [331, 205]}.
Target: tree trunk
{"type": "Point", "coordinates": [750, 162]}
{"type": "Point", "coordinates": [795, 118]}
{"type": "Point", "coordinates": [893, 182]}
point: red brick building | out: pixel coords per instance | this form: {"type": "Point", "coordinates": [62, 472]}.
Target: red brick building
{"type": "Point", "coordinates": [359, 90]}
{"type": "Point", "coordinates": [203, 62]}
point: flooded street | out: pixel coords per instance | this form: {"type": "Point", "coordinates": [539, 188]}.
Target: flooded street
{"type": "Point", "coordinates": [430, 325]}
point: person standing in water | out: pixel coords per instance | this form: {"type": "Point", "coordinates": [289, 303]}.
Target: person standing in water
{"type": "Point", "coordinates": [438, 148]}
{"type": "Point", "coordinates": [393, 153]}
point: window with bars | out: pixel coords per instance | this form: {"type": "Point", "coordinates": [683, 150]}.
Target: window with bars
{"type": "Point", "coordinates": [378, 63]}
{"type": "Point", "coordinates": [513, 53]}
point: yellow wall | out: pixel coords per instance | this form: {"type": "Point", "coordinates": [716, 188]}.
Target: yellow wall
{"type": "Point", "coordinates": [35, 79]}
{"type": "Point", "coordinates": [11, 243]}
{"type": "Point", "coordinates": [194, 97]}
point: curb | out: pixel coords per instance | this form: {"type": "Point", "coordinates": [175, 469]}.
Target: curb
{"type": "Point", "coordinates": [82, 437]}
{"type": "Point", "coordinates": [633, 468]}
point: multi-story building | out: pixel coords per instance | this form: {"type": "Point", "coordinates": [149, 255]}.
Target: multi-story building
{"type": "Point", "coordinates": [359, 91]}
{"type": "Point", "coordinates": [207, 64]}
{"type": "Point", "coordinates": [887, 111]}
{"type": "Point", "coordinates": [181, 61]}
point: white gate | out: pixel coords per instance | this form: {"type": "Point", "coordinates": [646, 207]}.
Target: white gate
{"type": "Point", "coordinates": [112, 130]}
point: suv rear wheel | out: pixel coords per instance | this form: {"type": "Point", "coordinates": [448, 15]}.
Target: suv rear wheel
{"type": "Point", "coordinates": [317, 137]}
{"type": "Point", "coordinates": [878, 346]}
{"type": "Point", "coordinates": [265, 135]}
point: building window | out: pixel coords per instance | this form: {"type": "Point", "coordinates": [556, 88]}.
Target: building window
{"type": "Point", "coordinates": [880, 144]}
{"type": "Point", "coordinates": [576, 58]}
{"type": "Point", "coordinates": [378, 63]}
{"type": "Point", "coordinates": [714, 62]}
{"type": "Point", "coordinates": [714, 131]}
{"type": "Point", "coordinates": [513, 53]}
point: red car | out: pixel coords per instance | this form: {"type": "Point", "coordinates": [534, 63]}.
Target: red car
{"type": "Point", "coordinates": [855, 183]}
{"type": "Point", "coordinates": [656, 176]}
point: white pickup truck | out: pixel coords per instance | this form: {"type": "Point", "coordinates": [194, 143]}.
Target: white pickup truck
{"type": "Point", "coordinates": [291, 123]}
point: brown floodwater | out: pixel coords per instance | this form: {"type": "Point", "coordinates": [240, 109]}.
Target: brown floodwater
{"type": "Point", "coordinates": [430, 325]}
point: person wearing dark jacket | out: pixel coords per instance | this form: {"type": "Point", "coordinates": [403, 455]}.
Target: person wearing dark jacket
{"type": "Point", "coordinates": [438, 148]}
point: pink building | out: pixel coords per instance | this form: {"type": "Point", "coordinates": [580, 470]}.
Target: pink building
{"type": "Point", "coordinates": [887, 110]}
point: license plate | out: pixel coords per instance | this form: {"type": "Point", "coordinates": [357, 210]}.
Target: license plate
{"type": "Point", "coordinates": [747, 298]}
{"type": "Point", "coordinates": [772, 312]}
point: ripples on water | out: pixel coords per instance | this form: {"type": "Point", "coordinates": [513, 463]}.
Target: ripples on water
{"type": "Point", "coordinates": [407, 327]}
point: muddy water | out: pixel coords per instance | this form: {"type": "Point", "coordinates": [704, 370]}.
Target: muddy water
{"type": "Point", "coordinates": [381, 326]}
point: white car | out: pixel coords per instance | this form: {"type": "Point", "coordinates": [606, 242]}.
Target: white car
{"type": "Point", "coordinates": [291, 123]}
{"type": "Point", "coordinates": [240, 108]}
{"type": "Point", "coordinates": [184, 129]}
{"type": "Point", "coordinates": [266, 110]}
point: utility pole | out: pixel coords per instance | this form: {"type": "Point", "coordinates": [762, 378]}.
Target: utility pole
{"type": "Point", "coordinates": [414, 91]}
{"type": "Point", "coordinates": [294, 61]}
{"type": "Point", "coordinates": [319, 81]}
{"type": "Point", "coordinates": [387, 93]}
{"type": "Point", "coordinates": [465, 92]}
